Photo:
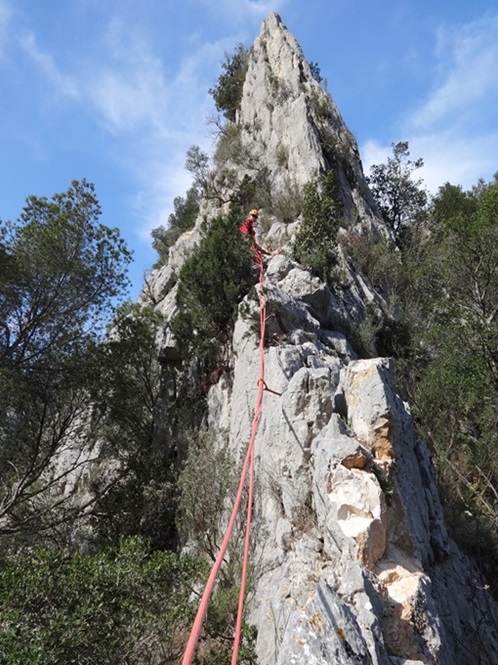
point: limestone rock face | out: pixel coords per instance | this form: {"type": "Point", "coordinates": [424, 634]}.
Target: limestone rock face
{"type": "Point", "coordinates": [354, 566]}
{"type": "Point", "coordinates": [292, 124]}
{"type": "Point", "coordinates": [352, 559]}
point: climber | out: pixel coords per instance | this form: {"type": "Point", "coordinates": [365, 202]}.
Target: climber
{"type": "Point", "coordinates": [247, 229]}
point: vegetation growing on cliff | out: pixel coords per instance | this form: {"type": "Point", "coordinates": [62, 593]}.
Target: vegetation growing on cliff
{"type": "Point", "coordinates": [443, 287]}
{"type": "Point", "coordinates": [213, 280]}
{"type": "Point", "coordinates": [72, 401]}
{"type": "Point", "coordinates": [316, 240]}
{"type": "Point", "coordinates": [227, 93]}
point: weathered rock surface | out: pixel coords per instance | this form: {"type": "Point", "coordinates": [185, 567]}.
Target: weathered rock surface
{"type": "Point", "coordinates": [353, 561]}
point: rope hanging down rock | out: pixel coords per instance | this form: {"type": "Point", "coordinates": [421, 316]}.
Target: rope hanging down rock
{"type": "Point", "coordinates": [247, 466]}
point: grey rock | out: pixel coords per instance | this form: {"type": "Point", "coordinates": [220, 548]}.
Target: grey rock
{"type": "Point", "coordinates": [353, 562]}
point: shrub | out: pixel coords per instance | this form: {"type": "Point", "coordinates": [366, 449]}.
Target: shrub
{"type": "Point", "coordinates": [315, 245]}
{"type": "Point", "coordinates": [315, 72]}
{"type": "Point", "coordinates": [230, 146]}
{"type": "Point", "coordinates": [282, 155]}
{"type": "Point", "coordinates": [227, 94]}
{"type": "Point", "coordinates": [208, 486]}
{"type": "Point", "coordinates": [213, 280]}
{"type": "Point", "coordinates": [287, 203]}
{"type": "Point", "coordinates": [122, 605]}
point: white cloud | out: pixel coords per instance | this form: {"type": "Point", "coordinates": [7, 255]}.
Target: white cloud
{"type": "Point", "coordinates": [448, 157]}
{"type": "Point", "coordinates": [153, 116]}
{"type": "Point", "coordinates": [128, 88]}
{"type": "Point", "coordinates": [455, 129]}
{"type": "Point", "coordinates": [63, 84]}
{"type": "Point", "coordinates": [128, 98]}
{"type": "Point", "coordinates": [467, 66]}
{"type": "Point", "coordinates": [460, 160]}
{"type": "Point", "coordinates": [151, 119]}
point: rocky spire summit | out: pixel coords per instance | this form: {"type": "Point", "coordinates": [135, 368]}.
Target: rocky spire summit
{"type": "Point", "coordinates": [292, 123]}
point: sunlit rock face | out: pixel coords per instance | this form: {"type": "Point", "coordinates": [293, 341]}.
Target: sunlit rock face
{"type": "Point", "coordinates": [352, 559]}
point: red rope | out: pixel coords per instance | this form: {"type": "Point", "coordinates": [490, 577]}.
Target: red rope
{"type": "Point", "coordinates": [248, 464]}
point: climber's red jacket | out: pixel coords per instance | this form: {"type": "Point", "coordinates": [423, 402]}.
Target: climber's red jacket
{"type": "Point", "coordinates": [247, 228]}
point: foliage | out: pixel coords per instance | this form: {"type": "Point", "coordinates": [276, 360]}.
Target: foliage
{"type": "Point", "coordinates": [181, 220]}
{"type": "Point", "coordinates": [316, 73]}
{"type": "Point", "coordinates": [320, 103]}
{"type": "Point", "coordinates": [210, 183]}
{"type": "Point", "coordinates": [287, 202]}
{"type": "Point", "coordinates": [126, 392]}
{"type": "Point", "coordinates": [230, 146]}
{"type": "Point", "coordinates": [197, 163]}
{"type": "Point", "coordinates": [315, 246]}
{"type": "Point", "coordinates": [60, 272]}
{"type": "Point", "coordinates": [213, 280]}
{"type": "Point", "coordinates": [461, 384]}
{"type": "Point", "coordinates": [400, 198]}
{"type": "Point", "coordinates": [121, 605]}
{"type": "Point", "coordinates": [208, 486]}
{"type": "Point", "coordinates": [206, 481]}
{"type": "Point", "coordinates": [227, 93]}
{"type": "Point", "coordinates": [444, 289]}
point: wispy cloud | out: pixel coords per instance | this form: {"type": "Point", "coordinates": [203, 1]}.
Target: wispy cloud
{"type": "Point", "coordinates": [150, 117]}
{"type": "Point", "coordinates": [128, 88]}
{"type": "Point", "coordinates": [153, 116]}
{"type": "Point", "coordinates": [455, 130]}
{"type": "Point", "coordinates": [467, 71]}
{"type": "Point", "coordinates": [62, 83]}
{"type": "Point", "coordinates": [448, 157]}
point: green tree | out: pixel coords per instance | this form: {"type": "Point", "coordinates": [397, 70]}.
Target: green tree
{"type": "Point", "coordinates": [400, 198]}
{"type": "Point", "coordinates": [317, 74]}
{"type": "Point", "coordinates": [316, 241]}
{"type": "Point", "coordinates": [125, 393]}
{"type": "Point", "coordinates": [213, 280]}
{"type": "Point", "coordinates": [227, 93]}
{"type": "Point", "coordinates": [61, 271]}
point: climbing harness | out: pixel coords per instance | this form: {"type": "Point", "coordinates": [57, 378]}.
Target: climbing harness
{"type": "Point", "coordinates": [248, 466]}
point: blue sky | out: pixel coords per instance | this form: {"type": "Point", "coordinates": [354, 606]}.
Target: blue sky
{"type": "Point", "coordinates": [116, 91]}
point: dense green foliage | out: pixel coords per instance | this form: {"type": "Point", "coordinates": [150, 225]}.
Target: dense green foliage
{"type": "Point", "coordinates": [316, 241]}
{"type": "Point", "coordinates": [457, 391]}
{"type": "Point", "coordinates": [60, 271]}
{"type": "Point", "coordinates": [213, 280]}
{"type": "Point", "coordinates": [129, 598]}
{"type": "Point", "coordinates": [121, 605]}
{"type": "Point", "coordinates": [227, 93]}
{"type": "Point", "coordinates": [125, 395]}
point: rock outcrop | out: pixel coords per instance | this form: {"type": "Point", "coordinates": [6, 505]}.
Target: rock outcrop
{"type": "Point", "coordinates": [352, 559]}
